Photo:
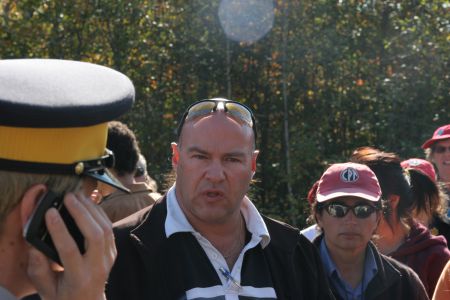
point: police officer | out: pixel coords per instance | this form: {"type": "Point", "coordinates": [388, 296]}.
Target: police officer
{"type": "Point", "coordinates": [53, 128]}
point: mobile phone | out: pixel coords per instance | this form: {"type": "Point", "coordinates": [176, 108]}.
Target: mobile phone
{"type": "Point", "coordinates": [36, 232]}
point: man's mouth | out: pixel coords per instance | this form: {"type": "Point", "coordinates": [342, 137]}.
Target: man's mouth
{"type": "Point", "coordinates": [214, 193]}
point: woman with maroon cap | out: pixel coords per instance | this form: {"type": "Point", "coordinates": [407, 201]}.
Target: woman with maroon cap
{"type": "Point", "coordinates": [437, 151]}
{"type": "Point", "coordinates": [347, 208]}
{"type": "Point", "coordinates": [430, 200]}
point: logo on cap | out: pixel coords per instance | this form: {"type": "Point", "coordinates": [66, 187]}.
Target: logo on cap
{"type": "Point", "coordinates": [414, 162]}
{"type": "Point", "coordinates": [349, 175]}
{"type": "Point", "coordinates": [440, 132]}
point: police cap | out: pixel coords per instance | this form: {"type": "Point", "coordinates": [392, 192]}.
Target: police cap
{"type": "Point", "coordinates": [54, 116]}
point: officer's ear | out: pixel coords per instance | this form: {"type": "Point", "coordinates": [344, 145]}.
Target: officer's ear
{"type": "Point", "coordinates": [175, 155]}
{"type": "Point", "coordinates": [30, 200]}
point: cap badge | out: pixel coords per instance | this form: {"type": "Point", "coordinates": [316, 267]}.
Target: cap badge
{"type": "Point", "coordinates": [440, 132]}
{"type": "Point", "coordinates": [349, 175]}
{"type": "Point", "coordinates": [79, 168]}
{"type": "Point", "coordinates": [414, 162]}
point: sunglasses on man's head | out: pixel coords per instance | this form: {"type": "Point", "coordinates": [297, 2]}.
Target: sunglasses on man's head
{"type": "Point", "coordinates": [441, 149]}
{"type": "Point", "coordinates": [205, 107]}
{"type": "Point", "coordinates": [340, 210]}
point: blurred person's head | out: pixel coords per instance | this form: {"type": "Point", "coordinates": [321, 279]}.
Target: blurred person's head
{"type": "Point", "coordinates": [429, 199]}
{"type": "Point", "coordinates": [141, 174]}
{"type": "Point", "coordinates": [437, 150]}
{"type": "Point", "coordinates": [123, 143]}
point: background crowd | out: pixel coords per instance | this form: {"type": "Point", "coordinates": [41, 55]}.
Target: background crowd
{"type": "Point", "coordinates": [363, 83]}
{"type": "Point", "coordinates": [327, 76]}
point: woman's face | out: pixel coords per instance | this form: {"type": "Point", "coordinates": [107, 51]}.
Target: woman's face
{"type": "Point", "coordinates": [348, 232]}
{"type": "Point", "coordinates": [441, 158]}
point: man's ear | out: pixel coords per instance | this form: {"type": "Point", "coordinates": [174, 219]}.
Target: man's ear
{"type": "Point", "coordinates": [254, 157]}
{"type": "Point", "coordinates": [29, 201]}
{"type": "Point", "coordinates": [175, 155]}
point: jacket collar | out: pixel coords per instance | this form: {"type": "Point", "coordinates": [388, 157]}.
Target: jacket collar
{"type": "Point", "coordinates": [386, 276]}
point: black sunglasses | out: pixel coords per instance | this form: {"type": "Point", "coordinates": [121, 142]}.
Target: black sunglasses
{"type": "Point", "coordinates": [204, 107]}
{"type": "Point", "coordinates": [339, 210]}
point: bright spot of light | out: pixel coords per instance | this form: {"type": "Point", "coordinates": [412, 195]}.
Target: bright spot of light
{"type": "Point", "coordinates": [246, 20]}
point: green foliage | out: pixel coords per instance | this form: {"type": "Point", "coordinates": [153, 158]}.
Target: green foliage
{"type": "Point", "coordinates": [357, 73]}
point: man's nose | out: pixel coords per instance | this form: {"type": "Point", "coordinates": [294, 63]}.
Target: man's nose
{"type": "Point", "coordinates": [215, 171]}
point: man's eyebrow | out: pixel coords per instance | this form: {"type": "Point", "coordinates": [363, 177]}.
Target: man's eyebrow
{"type": "Point", "coordinates": [201, 151]}
{"type": "Point", "coordinates": [196, 149]}
{"type": "Point", "coordinates": [235, 153]}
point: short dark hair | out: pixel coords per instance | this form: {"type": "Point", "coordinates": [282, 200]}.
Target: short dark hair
{"type": "Point", "coordinates": [123, 143]}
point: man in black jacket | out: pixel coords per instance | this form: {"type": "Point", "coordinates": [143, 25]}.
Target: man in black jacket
{"type": "Point", "coordinates": [205, 239]}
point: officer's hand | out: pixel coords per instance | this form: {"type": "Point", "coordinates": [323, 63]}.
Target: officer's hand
{"type": "Point", "coordinates": [84, 276]}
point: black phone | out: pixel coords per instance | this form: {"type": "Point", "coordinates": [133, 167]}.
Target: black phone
{"type": "Point", "coordinates": [36, 232]}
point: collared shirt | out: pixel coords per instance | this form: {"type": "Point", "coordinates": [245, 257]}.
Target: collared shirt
{"type": "Point", "coordinates": [6, 295]}
{"type": "Point", "coordinates": [311, 232]}
{"type": "Point", "coordinates": [231, 287]}
{"type": "Point", "coordinates": [336, 280]}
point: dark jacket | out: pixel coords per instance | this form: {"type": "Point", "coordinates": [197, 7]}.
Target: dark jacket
{"type": "Point", "coordinates": [425, 253]}
{"type": "Point", "coordinates": [392, 281]}
{"type": "Point", "coordinates": [144, 268]}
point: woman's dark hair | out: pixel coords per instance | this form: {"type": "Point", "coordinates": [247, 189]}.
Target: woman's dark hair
{"type": "Point", "coordinates": [392, 179]}
{"type": "Point", "coordinates": [428, 196]}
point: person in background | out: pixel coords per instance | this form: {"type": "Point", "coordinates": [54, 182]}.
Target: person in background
{"type": "Point", "coordinates": [313, 230]}
{"type": "Point", "coordinates": [430, 202]}
{"type": "Point", "coordinates": [347, 208]}
{"type": "Point", "coordinates": [400, 236]}
{"type": "Point", "coordinates": [442, 291]}
{"type": "Point", "coordinates": [118, 204]}
{"type": "Point", "coordinates": [437, 151]}
{"type": "Point", "coordinates": [205, 239]}
{"type": "Point", "coordinates": [53, 140]}
{"type": "Point", "coordinates": [141, 174]}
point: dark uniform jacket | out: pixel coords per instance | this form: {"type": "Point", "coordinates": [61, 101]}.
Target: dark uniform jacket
{"type": "Point", "coordinates": [392, 281]}
{"type": "Point", "coordinates": [145, 267]}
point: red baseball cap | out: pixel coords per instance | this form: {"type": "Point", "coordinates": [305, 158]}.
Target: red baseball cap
{"type": "Point", "coordinates": [420, 165]}
{"type": "Point", "coordinates": [441, 133]}
{"type": "Point", "coordinates": [348, 179]}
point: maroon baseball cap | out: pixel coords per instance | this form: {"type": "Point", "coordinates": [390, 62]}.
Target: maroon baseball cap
{"type": "Point", "coordinates": [441, 133]}
{"type": "Point", "coordinates": [420, 165]}
{"type": "Point", "coordinates": [348, 179]}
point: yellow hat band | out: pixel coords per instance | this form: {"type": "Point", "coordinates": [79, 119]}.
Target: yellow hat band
{"type": "Point", "coordinates": [53, 145]}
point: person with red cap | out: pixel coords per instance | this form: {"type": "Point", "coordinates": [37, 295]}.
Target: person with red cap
{"type": "Point", "coordinates": [430, 201]}
{"type": "Point", "coordinates": [347, 208]}
{"type": "Point", "coordinates": [437, 151]}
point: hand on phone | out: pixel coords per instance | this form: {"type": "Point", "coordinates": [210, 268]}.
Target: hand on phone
{"type": "Point", "coordinates": [84, 275]}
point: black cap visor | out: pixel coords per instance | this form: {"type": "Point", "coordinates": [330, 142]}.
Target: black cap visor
{"type": "Point", "coordinates": [105, 176]}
